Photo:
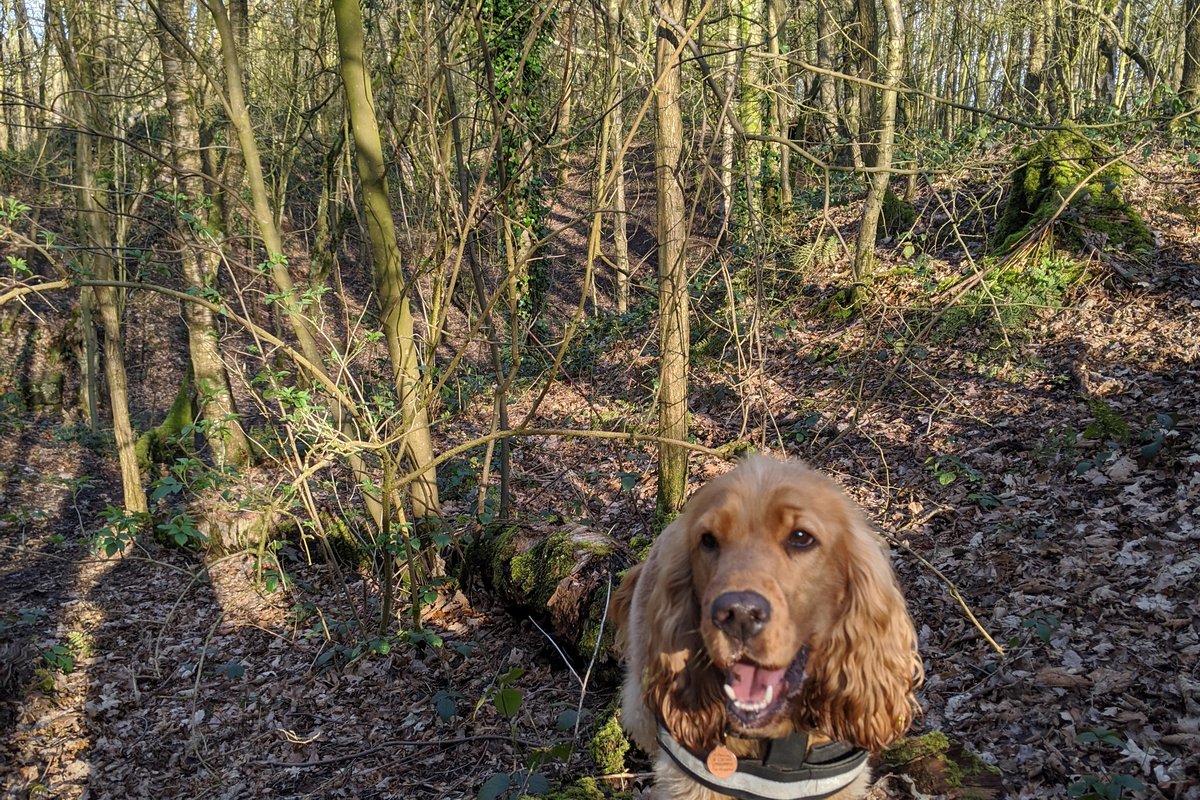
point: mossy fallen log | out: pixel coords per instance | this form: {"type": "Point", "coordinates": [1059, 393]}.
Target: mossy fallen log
{"type": "Point", "coordinates": [942, 767]}
{"type": "Point", "coordinates": [561, 578]}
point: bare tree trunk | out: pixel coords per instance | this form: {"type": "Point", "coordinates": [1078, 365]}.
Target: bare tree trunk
{"type": "Point", "coordinates": [614, 33]}
{"type": "Point", "coordinates": [566, 102]}
{"type": "Point", "coordinates": [861, 111]}
{"type": "Point", "coordinates": [264, 217]}
{"type": "Point", "coordinates": [727, 138]}
{"type": "Point", "coordinates": [200, 262]}
{"type": "Point", "coordinates": [750, 108]}
{"type": "Point", "coordinates": [781, 93]}
{"type": "Point", "coordinates": [233, 169]}
{"type": "Point", "coordinates": [1189, 84]}
{"type": "Point", "coordinates": [864, 253]}
{"type": "Point", "coordinates": [268, 228]}
{"type": "Point", "coordinates": [98, 254]}
{"type": "Point", "coordinates": [115, 376]}
{"type": "Point", "coordinates": [1035, 79]}
{"type": "Point", "coordinates": [390, 283]}
{"type": "Point", "coordinates": [672, 269]}
{"type": "Point", "coordinates": [476, 268]}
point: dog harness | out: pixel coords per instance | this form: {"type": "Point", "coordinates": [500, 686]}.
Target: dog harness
{"type": "Point", "coordinates": [789, 771]}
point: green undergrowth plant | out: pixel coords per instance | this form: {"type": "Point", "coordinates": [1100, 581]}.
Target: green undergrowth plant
{"type": "Point", "coordinates": [609, 744]}
{"type": "Point", "coordinates": [1110, 785]}
{"type": "Point", "coordinates": [1012, 296]}
{"type": "Point", "coordinates": [1085, 178]}
{"type": "Point", "coordinates": [529, 775]}
{"type": "Point", "coordinates": [118, 531]}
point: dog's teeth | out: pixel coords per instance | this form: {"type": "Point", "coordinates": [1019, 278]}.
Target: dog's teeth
{"type": "Point", "coordinates": [732, 695]}
{"type": "Point", "coordinates": [770, 694]}
{"type": "Point", "coordinates": [750, 708]}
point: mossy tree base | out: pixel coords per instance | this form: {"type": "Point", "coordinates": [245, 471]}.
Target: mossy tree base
{"type": "Point", "coordinates": [561, 577]}
{"type": "Point", "coordinates": [942, 767]}
{"type": "Point", "coordinates": [896, 217]}
{"type": "Point", "coordinates": [1098, 215]}
{"type": "Point", "coordinates": [159, 443]}
{"type": "Point", "coordinates": [34, 355]}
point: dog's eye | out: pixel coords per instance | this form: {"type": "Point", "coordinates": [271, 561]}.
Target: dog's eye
{"type": "Point", "coordinates": [801, 539]}
{"type": "Point", "coordinates": [708, 541]}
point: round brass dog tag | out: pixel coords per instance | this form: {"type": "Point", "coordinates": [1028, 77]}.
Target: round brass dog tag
{"type": "Point", "coordinates": [722, 762]}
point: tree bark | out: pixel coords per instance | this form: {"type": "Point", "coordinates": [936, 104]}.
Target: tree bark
{"type": "Point", "coordinates": [200, 261]}
{"type": "Point", "coordinates": [390, 283]}
{"type": "Point", "coordinates": [614, 33]}
{"type": "Point", "coordinates": [101, 263]}
{"type": "Point", "coordinates": [1034, 84]}
{"type": "Point", "coordinates": [98, 253]}
{"type": "Point", "coordinates": [781, 93]}
{"type": "Point", "coordinates": [750, 108]}
{"type": "Point", "coordinates": [864, 253]}
{"type": "Point", "coordinates": [727, 137]}
{"type": "Point", "coordinates": [672, 268]}
{"type": "Point", "coordinates": [264, 217]}
{"type": "Point", "coordinates": [1189, 84]}
{"type": "Point", "coordinates": [265, 220]}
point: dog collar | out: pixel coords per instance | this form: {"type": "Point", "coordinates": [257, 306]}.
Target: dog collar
{"type": "Point", "coordinates": [790, 770]}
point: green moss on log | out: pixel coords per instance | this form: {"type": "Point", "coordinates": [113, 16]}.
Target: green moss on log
{"type": "Point", "coordinates": [538, 571]}
{"type": "Point", "coordinates": [585, 789]}
{"type": "Point", "coordinates": [609, 744]}
{"type": "Point", "coordinates": [1098, 213]}
{"type": "Point", "coordinates": [914, 748]}
{"type": "Point", "coordinates": [943, 767]}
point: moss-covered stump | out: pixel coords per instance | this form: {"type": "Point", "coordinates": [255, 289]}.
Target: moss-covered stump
{"type": "Point", "coordinates": [561, 577]}
{"type": "Point", "coordinates": [896, 216]}
{"type": "Point", "coordinates": [1098, 215]}
{"type": "Point", "coordinates": [942, 767]}
{"type": "Point", "coordinates": [230, 530]}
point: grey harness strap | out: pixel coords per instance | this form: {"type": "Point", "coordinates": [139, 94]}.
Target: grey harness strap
{"type": "Point", "coordinates": [790, 770]}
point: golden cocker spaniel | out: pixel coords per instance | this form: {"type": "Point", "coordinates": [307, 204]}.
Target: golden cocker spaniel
{"type": "Point", "coordinates": [767, 645]}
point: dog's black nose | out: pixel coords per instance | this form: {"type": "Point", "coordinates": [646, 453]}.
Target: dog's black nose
{"type": "Point", "coordinates": [741, 615]}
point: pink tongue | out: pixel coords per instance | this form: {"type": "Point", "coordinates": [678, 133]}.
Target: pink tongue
{"type": "Point", "coordinates": [750, 681]}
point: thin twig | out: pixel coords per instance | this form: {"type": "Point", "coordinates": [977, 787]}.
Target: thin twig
{"type": "Point", "coordinates": [951, 586]}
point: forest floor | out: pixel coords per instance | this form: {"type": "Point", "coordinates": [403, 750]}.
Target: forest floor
{"type": "Point", "coordinates": [1045, 476]}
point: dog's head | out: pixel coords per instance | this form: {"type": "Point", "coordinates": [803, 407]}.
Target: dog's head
{"type": "Point", "coordinates": [772, 607]}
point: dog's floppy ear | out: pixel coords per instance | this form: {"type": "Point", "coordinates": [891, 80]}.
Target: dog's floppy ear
{"type": "Point", "coordinates": [865, 670]}
{"type": "Point", "coordinates": [620, 604]}
{"type": "Point", "coordinates": [678, 683]}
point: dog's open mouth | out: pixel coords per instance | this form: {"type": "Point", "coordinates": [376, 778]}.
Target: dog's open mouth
{"type": "Point", "coordinates": [756, 695]}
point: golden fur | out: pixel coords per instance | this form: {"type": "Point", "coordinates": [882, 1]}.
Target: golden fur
{"type": "Point", "coordinates": [835, 594]}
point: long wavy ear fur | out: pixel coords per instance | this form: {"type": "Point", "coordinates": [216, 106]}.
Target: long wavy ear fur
{"type": "Point", "coordinates": [662, 642]}
{"type": "Point", "coordinates": [863, 674]}
{"type": "Point", "coordinates": [619, 606]}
